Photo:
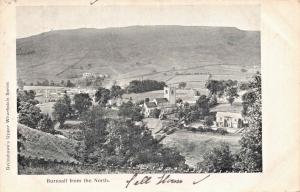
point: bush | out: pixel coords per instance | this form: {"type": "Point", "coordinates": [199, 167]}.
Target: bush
{"type": "Point", "coordinates": [222, 131]}
{"type": "Point", "coordinates": [244, 70]}
{"type": "Point", "coordinates": [155, 113]}
{"type": "Point", "coordinates": [46, 124]}
{"type": "Point", "coordinates": [209, 120]}
{"type": "Point", "coordinates": [219, 159]}
{"type": "Point", "coordinates": [207, 130]}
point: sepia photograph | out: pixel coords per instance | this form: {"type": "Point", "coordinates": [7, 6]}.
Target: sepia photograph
{"type": "Point", "coordinates": [138, 89]}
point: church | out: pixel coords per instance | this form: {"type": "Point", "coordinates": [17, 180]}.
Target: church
{"type": "Point", "coordinates": [165, 104]}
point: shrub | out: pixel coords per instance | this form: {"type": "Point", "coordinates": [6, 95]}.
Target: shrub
{"type": "Point", "coordinates": [209, 120]}
{"type": "Point", "coordinates": [221, 131]}
{"type": "Point", "coordinates": [244, 70]}
{"type": "Point", "coordinates": [46, 124]}
{"type": "Point", "coordinates": [219, 159]}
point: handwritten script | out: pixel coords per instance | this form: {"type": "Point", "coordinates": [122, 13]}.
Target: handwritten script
{"type": "Point", "coordinates": [93, 2]}
{"type": "Point", "coordinates": [160, 180]}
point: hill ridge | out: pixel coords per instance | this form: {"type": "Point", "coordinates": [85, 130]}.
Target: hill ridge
{"type": "Point", "coordinates": [118, 51]}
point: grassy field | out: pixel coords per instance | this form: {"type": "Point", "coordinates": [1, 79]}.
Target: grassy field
{"type": "Point", "coordinates": [46, 108]}
{"type": "Point", "coordinates": [190, 144]}
{"type": "Point", "coordinates": [194, 145]}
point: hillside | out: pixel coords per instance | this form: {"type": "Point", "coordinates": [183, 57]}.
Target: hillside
{"type": "Point", "coordinates": [129, 52]}
{"type": "Point", "coordinates": [41, 145]}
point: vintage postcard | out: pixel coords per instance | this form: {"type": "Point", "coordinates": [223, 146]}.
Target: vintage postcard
{"type": "Point", "coordinates": [150, 95]}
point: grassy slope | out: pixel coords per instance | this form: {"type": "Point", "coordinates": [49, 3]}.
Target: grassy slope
{"type": "Point", "coordinates": [39, 144]}
{"type": "Point", "coordinates": [129, 52]}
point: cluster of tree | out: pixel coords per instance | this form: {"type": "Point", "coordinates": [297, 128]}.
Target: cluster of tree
{"type": "Point", "coordinates": [131, 111]}
{"type": "Point", "coordinates": [190, 113]}
{"type": "Point", "coordinates": [249, 157]}
{"type": "Point", "coordinates": [137, 86]}
{"type": "Point", "coordinates": [63, 109]}
{"type": "Point", "coordinates": [90, 82]}
{"type": "Point", "coordinates": [218, 159]}
{"type": "Point", "coordinates": [29, 114]}
{"type": "Point", "coordinates": [120, 142]}
{"type": "Point", "coordinates": [219, 88]}
{"type": "Point", "coordinates": [46, 82]}
{"type": "Point", "coordinates": [103, 95]}
{"type": "Point", "coordinates": [82, 102]}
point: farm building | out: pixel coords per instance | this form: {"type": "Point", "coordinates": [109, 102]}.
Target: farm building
{"type": "Point", "coordinates": [88, 75]}
{"type": "Point", "coordinates": [149, 107]}
{"type": "Point", "coordinates": [40, 150]}
{"type": "Point", "coordinates": [229, 116]}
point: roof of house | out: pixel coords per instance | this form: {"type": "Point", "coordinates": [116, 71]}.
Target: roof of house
{"type": "Point", "coordinates": [150, 104]}
{"type": "Point", "coordinates": [161, 100]}
{"type": "Point", "coordinates": [226, 107]}
{"type": "Point", "coordinates": [45, 146]}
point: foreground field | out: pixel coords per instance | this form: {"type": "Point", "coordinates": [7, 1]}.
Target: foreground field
{"type": "Point", "coordinates": [194, 145]}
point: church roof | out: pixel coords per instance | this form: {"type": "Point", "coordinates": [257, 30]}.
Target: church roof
{"type": "Point", "coordinates": [161, 100]}
{"type": "Point", "coordinates": [150, 104]}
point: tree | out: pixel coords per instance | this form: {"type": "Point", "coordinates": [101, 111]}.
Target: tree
{"type": "Point", "coordinates": [94, 126]}
{"type": "Point", "coordinates": [250, 155]}
{"type": "Point", "coordinates": [102, 96]}
{"type": "Point", "coordinates": [26, 96]}
{"type": "Point", "coordinates": [62, 83]}
{"type": "Point", "coordinates": [179, 100]}
{"type": "Point", "coordinates": [116, 91]}
{"type": "Point", "coordinates": [213, 101]}
{"type": "Point", "coordinates": [62, 109]}
{"type": "Point", "coordinates": [208, 120]}
{"type": "Point", "coordinates": [29, 114]}
{"type": "Point", "coordinates": [213, 86]}
{"type": "Point", "coordinates": [137, 86]}
{"type": "Point", "coordinates": [131, 111]}
{"type": "Point", "coordinates": [82, 102]}
{"type": "Point", "coordinates": [46, 124]}
{"type": "Point", "coordinates": [70, 84]}
{"type": "Point", "coordinates": [45, 83]}
{"type": "Point", "coordinates": [155, 113]}
{"type": "Point", "coordinates": [231, 93]}
{"type": "Point", "coordinates": [129, 144]}
{"type": "Point", "coordinates": [216, 87]}
{"type": "Point", "coordinates": [202, 106]}
{"type": "Point", "coordinates": [182, 85]}
{"type": "Point", "coordinates": [219, 159]}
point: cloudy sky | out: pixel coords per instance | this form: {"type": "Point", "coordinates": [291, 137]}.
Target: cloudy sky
{"type": "Point", "coordinates": [31, 20]}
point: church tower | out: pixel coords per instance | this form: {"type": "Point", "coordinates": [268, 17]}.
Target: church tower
{"type": "Point", "coordinates": [170, 94]}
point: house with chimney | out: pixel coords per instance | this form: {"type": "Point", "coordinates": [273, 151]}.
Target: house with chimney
{"type": "Point", "coordinates": [229, 116]}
